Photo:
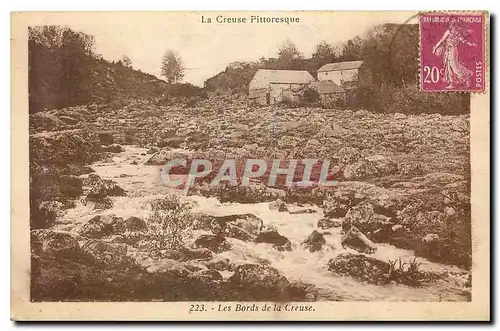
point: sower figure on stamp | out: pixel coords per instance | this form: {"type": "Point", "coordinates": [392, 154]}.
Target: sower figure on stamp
{"type": "Point", "coordinates": [455, 73]}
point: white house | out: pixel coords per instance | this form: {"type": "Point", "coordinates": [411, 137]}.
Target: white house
{"type": "Point", "coordinates": [274, 86]}
{"type": "Point", "coordinates": [340, 72]}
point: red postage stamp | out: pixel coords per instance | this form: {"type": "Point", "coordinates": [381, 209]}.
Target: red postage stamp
{"type": "Point", "coordinates": [452, 52]}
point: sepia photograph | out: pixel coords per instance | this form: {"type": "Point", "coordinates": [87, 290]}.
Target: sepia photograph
{"type": "Point", "coordinates": [231, 159]}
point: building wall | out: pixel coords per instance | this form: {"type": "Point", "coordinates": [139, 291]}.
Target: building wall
{"type": "Point", "coordinates": [276, 91]}
{"type": "Point", "coordinates": [259, 96]}
{"type": "Point", "coordinates": [338, 76]}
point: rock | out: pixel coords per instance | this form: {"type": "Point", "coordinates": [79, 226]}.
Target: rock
{"type": "Point", "coordinates": [336, 207]}
{"type": "Point", "coordinates": [361, 113]}
{"type": "Point", "coordinates": [383, 164]}
{"type": "Point", "coordinates": [264, 280]}
{"type": "Point", "coordinates": [399, 116]}
{"type": "Point", "coordinates": [430, 238]}
{"type": "Point", "coordinates": [349, 155]}
{"type": "Point", "coordinates": [218, 263]}
{"type": "Point", "coordinates": [278, 205]}
{"type": "Point", "coordinates": [201, 254]}
{"type": "Point", "coordinates": [288, 142]}
{"type": "Point", "coordinates": [104, 203]}
{"type": "Point", "coordinates": [245, 227]}
{"type": "Point", "coordinates": [43, 214]}
{"type": "Point", "coordinates": [152, 150]}
{"type": "Point", "coordinates": [107, 253]}
{"type": "Point", "coordinates": [206, 276]}
{"type": "Point", "coordinates": [411, 169]}
{"type": "Point", "coordinates": [450, 211]}
{"type": "Point", "coordinates": [165, 155]}
{"type": "Point", "coordinates": [356, 240]}
{"type": "Point", "coordinates": [106, 137]}
{"type": "Point", "coordinates": [314, 242]}
{"type": "Point", "coordinates": [361, 169]}
{"type": "Point", "coordinates": [328, 223]}
{"type": "Point", "coordinates": [70, 186]}
{"type": "Point", "coordinates": [215, 243]}
{"type": "Point", "coordinates": [360, 216]}
{"type": "Point", "coordinates": [135, 224]}
{"type": "Point", "coordinates": [102, 226]}
{"type": "Point", "coordinates": [361, 267]}
{"type": "Point", "coordinates": [72, 146]}
{"type": "Point", "coordinates": [134, 162]}
{"type": "Point", "coordinates": [331, 130]}
{"type": "Point", "coordinates": [279, 242]}
{"type": "Point", "coordinates": [102, 188]}
{"type": "Point", "coordinates": [55, 243]}
{"type": "Point", "coordinates": [113, 148]}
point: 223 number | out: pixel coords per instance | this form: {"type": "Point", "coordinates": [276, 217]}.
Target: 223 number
{"type": "Point", "coordinates": [197, 307]}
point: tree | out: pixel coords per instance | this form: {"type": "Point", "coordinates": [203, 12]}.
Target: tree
{"type": "Point", "coordinates": [289, 56]}
{"type": "Point", "coordinates": [288, 51]}
{"type": "Point", "coordinates": [59, 61]}
{"type": "Point", "coordinates": [172, 67]}
{"type": "Point", "coordinates": [126, 61]}
{"type": "Point", "coordinates": [324, 53]}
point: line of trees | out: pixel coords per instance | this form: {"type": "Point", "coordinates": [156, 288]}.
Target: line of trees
{"type": "Point", "coordinates": [58, 61]}
{"type": "Point", "coordinates": [390, 52]}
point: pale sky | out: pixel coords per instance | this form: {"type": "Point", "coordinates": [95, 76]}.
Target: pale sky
{"type": "Point", "coordinates": [206, 49]}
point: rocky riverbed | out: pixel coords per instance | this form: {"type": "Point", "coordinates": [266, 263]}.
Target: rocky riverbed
{"type": "Point", "coordinates": [106, 227]}
{"type": "Point", "coordinates": [299, 265]}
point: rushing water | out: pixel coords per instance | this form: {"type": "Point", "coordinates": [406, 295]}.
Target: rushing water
{"type": "Point", "coordinates": [143, 184]}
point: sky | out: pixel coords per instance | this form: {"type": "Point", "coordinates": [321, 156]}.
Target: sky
{"type": "Point", "coordinates": [207, 48]}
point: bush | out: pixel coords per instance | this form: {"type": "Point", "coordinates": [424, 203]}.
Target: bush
{"type": "Point", "coordinates": [410, 100]}
{"type": "Point", "coordinates": [169, 225]}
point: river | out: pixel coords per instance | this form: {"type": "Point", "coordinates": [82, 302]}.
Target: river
{"type": "Point", "coordinates": [143, 184]}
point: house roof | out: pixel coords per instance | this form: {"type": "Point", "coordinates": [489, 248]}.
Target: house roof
{"type": "Point", "coordinates": [265, 76]}
{"type": "Point", "coordinates": [327, 87]}
{"type": "Point", "coordinates": [341, 66]}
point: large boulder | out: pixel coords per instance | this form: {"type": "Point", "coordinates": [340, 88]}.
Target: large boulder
{"type": "Point", "coordinates": [279, 242]}
{"type": "Point", "coordinates": [44, 213]}
{"type": "Point", "coordinates": [336, 206]}
{"type": "Point", "coordinates": [411, 169]}
{"type": "Point", "coordinates": [245, 227]}
{"type": "Point", "coordinates": [363, 217]}
{"type": "Point", "coordinates": [361, 267]}
{"type": "Point", "coordinates": [70, 186]}
{"type": "Point", "coordinates": [218, 263]}
{"type": "Point", "coordinates": [101, 188]}
{"type": "Point", "coordinates": [356, 240]}
{"type": "Point", "coordinates": [314, 242]}
{"type": "Point", "coordinates": [135, 224]}
{"type": "Point", "coordinates": [278, 205]}
{"type": "Point", "coordinates": [113, 148]}
{"type": "Point", "coordinates": [214, 242]}
{"type": "Point", "coordinates": [258, 282]}
{"type": "Point", "coordinates": [383, 164]}
{"type": "Point", "coordinates": [55, 243]}
{"type": "Point", "coordinates": [358, 216]}
{"type": "Point", "coordinates": [70, 146]}
{"type": "Point", "coordinates": [107, 253]}
{"type": "Point", "coordinates": [328, 223]}
{"type": "Point", "coordinates": [360, 169]}
{"type": "Point", "coordinates": [104, 203]}
{"type": "Point", "coordinates": [199, 254]}
{"type": "Point", "coordinates": [102, 226]}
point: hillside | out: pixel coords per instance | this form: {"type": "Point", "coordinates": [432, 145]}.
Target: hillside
{"type": "Point", "coordinates": [65, 71]}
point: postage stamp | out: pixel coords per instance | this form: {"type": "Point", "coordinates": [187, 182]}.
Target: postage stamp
{"type": "Point", "coordinates": [249, 166]}
{"type": "Point", "coordinates": [452, 52]}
